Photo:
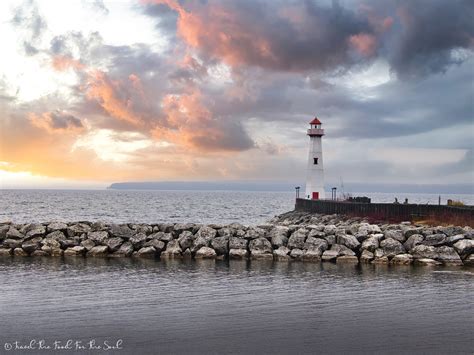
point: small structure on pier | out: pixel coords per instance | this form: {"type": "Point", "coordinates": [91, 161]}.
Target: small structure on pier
{"type": "Point", "coordinates": [315, 170]}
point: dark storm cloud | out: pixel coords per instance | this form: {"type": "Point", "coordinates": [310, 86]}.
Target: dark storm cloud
{"type": "Point", "coordinates": [417, 37]}
{"type": "Point", "coordinates": [429, 33]}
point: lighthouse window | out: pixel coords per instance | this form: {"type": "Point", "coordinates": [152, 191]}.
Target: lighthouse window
{"type": "Point", "coordinates": [315, 160]}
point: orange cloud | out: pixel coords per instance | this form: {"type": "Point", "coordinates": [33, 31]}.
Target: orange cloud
{"type": "Point", "coordinates": [116, 97]}
{"type": "Point", "coordinates": [57, 122]}
{"type": "Point", "coordinates": [364, 43]}
{"type": "Point", "coordinates": [63, 63]}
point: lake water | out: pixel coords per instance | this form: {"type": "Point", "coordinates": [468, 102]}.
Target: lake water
{"type": "Point", "coordinates": [158, 307]}
{"type": "Point", "coordinates": [165, 206]}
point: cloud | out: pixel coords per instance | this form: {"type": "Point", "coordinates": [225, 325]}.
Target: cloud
{"type": "Point", "coordinates": [57, 122]}
{"type": "Point", "coordinates": [28, 20]}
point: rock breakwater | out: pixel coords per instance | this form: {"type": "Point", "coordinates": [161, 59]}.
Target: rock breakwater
{"type": "Point", "coordinates": [294, 235]}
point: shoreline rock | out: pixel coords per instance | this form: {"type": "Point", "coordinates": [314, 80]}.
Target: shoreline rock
{"type": "Point", "coordinates": [292, 236]}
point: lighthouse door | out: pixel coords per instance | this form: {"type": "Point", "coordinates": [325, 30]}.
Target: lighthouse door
{"type": "Point", "coordinates": [315, 195]}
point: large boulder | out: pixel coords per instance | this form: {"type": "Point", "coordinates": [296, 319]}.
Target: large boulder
{"type": "Point", "coordinates": [434, 239]}
{"type": "Point", "coordinates": [113, 243]}
{"type": "Point", "coordinates": [402, 259]}
{"type": "Point", "coordinates": [424, 252]}
{"type": "Point", "coordinates": [19, 252]}
{"type": "Point", "coordinates": [75, 251]}
{"type": "Point", "coordinates": [172, 251]}
{"type": "Point", "coordinates": [238, 253]}
{"type": "Point", "coordinates": [260, 245]}
{"type": "Point", "coordinates": [238, 243]}
{"type": "Point", "coordinates": [330, 229]}
{"type": "Point", "coordinates": [100, 250]}
{"type": "Point", "coordinates": [146, 252]}
{"type": "Point", "coordinates": [342, 250]}
{"type": "Point", "coordinates": [185, 239]}
{"type": "Point", "coordinates": [6, 252]}
{"type": "Point", "coordinates": [312, 254]}
{"type": "Point", "coordinates": [296, 254]}
{"type": "Point", "coordinates": [3, 231]}
{"type": "Point", "coordinates": [38, 231]}
{"type": "Point", "coordinates": [366, 256]}
{"type": "Point", "coordinates": [450, 241]}
{"type": "Point", "coordinates": [220, 245]}
{"type": "Point", "coordinates": [413, 240]}
{"type": "Point", "coordinates": [348, 240]}
{"type": "Point", "coordinates": [395, 234]}
{"type": "Point", "coordinates": [205, 253]}
{"type": "Point", "coordinates": [448, 256]}
{"type": "Point", "coordinates": [126, 249]}
{"type": "Point", "coordinates": [122, 231]}
{"type": "Point", "coordinates": [32, 244]}
{"type": "Point", "coordinates": [464, 247]}
{"type": "Point", "coordinates": [159, 245]}
{"type": "Point", "coordinates": [330, 255]}
{"type": "Point", "coordinates": [370, 244]}
{"type": "Point", "coordinates": [346, 259]}
{"type": "Point", "coordinates": [88, 244]}
{"type": "Point", "coordinates": [297, 239]}
{"type": "Point", "coordinates": [281, 254]}
{"type": "Point", "coordinates": [316, 244]}
{"type": "Point", "coordinates": [226, 232]}
{"type": "Point", "coordinates": [254, 233]}
{"type": "Point", "coordinates": [279, 236]}
{"type": "Point", "coordinates": [77, 229]}
{"type": "Point", "coordinates": [99, 238]}
{"type": "Point", "coordinates": [12, 243]}
{"type": "Point", "coordinates": [138, 240]}
{"type": "Point", "coordinates": [392, 247]}
{"type": "Point", "coordinates": [13, 233]}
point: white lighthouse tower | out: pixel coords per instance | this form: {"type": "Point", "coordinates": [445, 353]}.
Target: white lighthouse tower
{"type": "Point", "coordinates": [315, 171]}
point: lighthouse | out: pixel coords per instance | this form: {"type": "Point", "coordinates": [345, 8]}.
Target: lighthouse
{"type": "Point", "coordinates": [315, 171]}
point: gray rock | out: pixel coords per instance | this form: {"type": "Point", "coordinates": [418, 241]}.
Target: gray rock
{"type": "Point", "coordinates": [187, 254]}
{"type": "Point", "coordinates": [12, 243]}
{"type": "Point", "coordinates": [146, 252]}
{"type": "Point", "coordinates": [6, 252]}
{"type": "Point", "coordinates": [464, 247]}
{"type": "Point", "coordinates": [206, 233]}
{"type": "Point", "coordinates": [254, 233]}
{"type": "Point", "coordinates": [3, 231]}
{"type": "Point", "coordinates": [98, 226]}
{"type": "Point", "coordinates": [331, 239]}
{"type": "Point", "coordinates": [226, 232]}
{"type": "Point", "coordinates": [114, 243]}
{"type": "Point", "coordinates": [67, 243]}
{"type": "Point", "coordinates": [348, 240]}
{"type": "Point", "coordinates": [260, 245]}
{"type": "Point", "coordinates": [434, 240]}
{"type": "Point", "coordinates": [427, 262]}
{"type": "Point", "coordinates": [411, 231]}
{"type": "Point", "coordinates": [316, 244]}
{"type": "Point", "coordinates": [237, 243]}
{"type": "Point", "coordinates": [138, 240]}
{"type": "Point", "coordinates": [392, 247]}
{"type": "Point", "coordinates": [380, 260]}
{"type": "Point", "coordinates": [342, 250]}
{"type": "Point", "coordinates": [330, 229]}
{"type": "Point", "coordinates": [205, 253]}
{"type": "Point", "coordinates": [165, 237]}
{"type": "Point", "coordinates": [31, 245]}
{"type": "Point", "coordinates": [126, 249]}
{"type": "Point", "coordinates": [166, 227]}
{"type": "Point", "coordinates": [448, 256]}
{"type": "Point", "coordinates": [159, 245]}
{"type": "Point", "coordinates": [378, 253]}
{"type": "Point", "coordinates": [172, 251]}
{"type": "Point", "coordinates": [402, 259]}
{"type": "Point", "coordinates": [316, 233]}
{"type": "Point", "coordinates": [179, 228]}
{"type": "Point", "coordinates": [75, 251]}
{"type": "Point", "coordinates": [366, 256]}
{"type": "Point", "coordinates": [100, 250]}
{"type": "Point", "coordinates": [330, 255]}
{"type": "Point", "coordinates": [37, 231]}
{"type": "Point", "coordinates": [121, 230]}
{"type": "Point", "coordinates": [451, 230]}
{"type": "Point", "coordinates": [395, 234]}
{"type": "Point", "coordinates": [312, 254]}
{"type": "Point", "coordinates": [424, 252]}
{"type": "Point", "coordinates": [238, 254]}
{"type": "Point", "coordinates": [297, 239]}
{"type": "Point", "coordinates": [220, 245]}
{"type": "Point", "coordinates": [56, 235]}
{"type": "Point", "coordinates": [413, 241]}
{"type": "Point", "coordinates": [99, 238]}
{"type": "Point", "coordinates": [88, 244]}
{"type": "Point", "coordinates": [370, 244]}
{"type": "Point", "coordinates": [261, 255]}
{"type": "Point", "coordinates": [13, 233]}
{"type": "Point", "coordinates": [185, 239]}
{"type": "Point", "coordinates": [450, 241]}
{"type": "Point", "coordinates": [296, 254]}
{"type": "Point", "coordinates": [279, 236]}
{"type": "Point", "coordinates": [281, 254]}
{"type": "Point", "coordinates": [346, 259]}
{"type": "Point", "coordinates": [56, 226]}
{"type": "Point", "coordinates": [77, 229]}
{"type": "Point", "coordinates": [19, 252]}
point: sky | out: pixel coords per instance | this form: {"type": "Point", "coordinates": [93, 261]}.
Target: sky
{"type": "Point", "coordinates": [95, 92]}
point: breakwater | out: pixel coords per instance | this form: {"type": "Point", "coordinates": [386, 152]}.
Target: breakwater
{"type": "Point", "coordinates": [296, 236]}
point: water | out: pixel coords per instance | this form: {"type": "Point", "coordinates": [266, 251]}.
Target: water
{"type": "Point", "coordinates": [165, 206]}
{"type": "Point", "coordinates": [237, 307]}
